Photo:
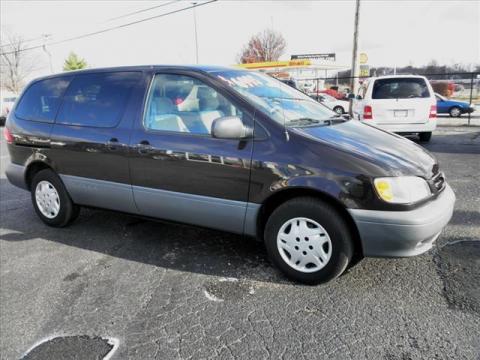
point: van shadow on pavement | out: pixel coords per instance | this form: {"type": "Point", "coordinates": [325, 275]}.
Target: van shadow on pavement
{"type": "Point", "coordinates": [169, 245]}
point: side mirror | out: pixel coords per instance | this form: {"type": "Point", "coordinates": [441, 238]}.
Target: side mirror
{"type": "Point", "coordinates": [230, 127]}
{"type": "Point", "coordinates": [350, 96]}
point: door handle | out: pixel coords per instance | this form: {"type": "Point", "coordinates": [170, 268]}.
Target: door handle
{"type": "Point", "coordinates": [144, 147]}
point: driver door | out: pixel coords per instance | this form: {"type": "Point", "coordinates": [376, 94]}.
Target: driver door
{"type": "Point", "coordinates": [179, 171]}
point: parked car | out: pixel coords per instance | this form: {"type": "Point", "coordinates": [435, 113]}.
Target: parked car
{"type": "Point", "coordinates": [452, 107]}
{"type": "Point", "coordinates": [228, 149]}
{"type": "Point", "coordinates": [6, 103]}
{"type": "Point", "coordinates": [339, 106]}
{"type": "Point", "coordinates": [398, 103]}
{"type": "Point", "coordinates": [334, 93]}
{"type": "Point", "coordinates": [290, 82]}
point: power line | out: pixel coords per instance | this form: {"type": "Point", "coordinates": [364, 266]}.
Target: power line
{"type": "Point", "coordinates": [115, 18]}
{"type": "Point", "coordinates": [111, 28]}
{"type": "Point", "coordinates": [143, 10]}
{"type": "Point", "coordinates": [25, 41]}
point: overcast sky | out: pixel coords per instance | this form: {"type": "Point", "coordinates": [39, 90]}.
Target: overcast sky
{"type": "Point", "coordinates": [391, 32]}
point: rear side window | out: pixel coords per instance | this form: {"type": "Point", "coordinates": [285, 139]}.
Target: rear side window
{"type": "Point", "coordinates": [97, 100]}
{"type": "Point", "coordinates": [400, 88]}
{"type": "Point", "coordinates": [42, 99]}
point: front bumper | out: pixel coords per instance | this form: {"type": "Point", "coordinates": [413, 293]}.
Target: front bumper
{"type": "Point", "coordinates": [404, 233]}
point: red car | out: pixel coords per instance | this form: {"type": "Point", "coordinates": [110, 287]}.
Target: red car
{"type": "Point", "coordinates": [336, 94]}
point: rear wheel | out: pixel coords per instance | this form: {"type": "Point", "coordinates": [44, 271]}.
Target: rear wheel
{"type": "Point", "coordinates": [455, 112]}
{"type": "Point", "coordinates": [308, 240]}
{"type": "Point", "coordinates": [425, 136]}
{"type": "Point", "coordinates": [51, 200]}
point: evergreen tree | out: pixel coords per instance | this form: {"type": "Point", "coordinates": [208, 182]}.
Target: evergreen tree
{"type": "Point", "coordinates": [74, 62]}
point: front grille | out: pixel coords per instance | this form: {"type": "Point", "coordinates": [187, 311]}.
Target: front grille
{"type": "Point", "coordinates": [437, 182]}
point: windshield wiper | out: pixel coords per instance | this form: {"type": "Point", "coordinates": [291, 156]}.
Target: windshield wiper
{"type": "Point", "coordinates": [303, 121]}
{"type": "Point", "coordinates": [306, 121]}
{"type": "Point", "coordinates": [335, 120]}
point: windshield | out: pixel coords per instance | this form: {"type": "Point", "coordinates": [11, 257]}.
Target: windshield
{"type": "Point", "coordinates": [281, 102]}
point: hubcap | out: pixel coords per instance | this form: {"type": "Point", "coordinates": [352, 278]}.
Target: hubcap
{"type": "Point", "coordinates": [47, 199]}
{"type": "Point", "coordinates": [304, 244]}
{"type": "Point", "coordinates": [455, 112]}
{"type": "Point", "coordinates": [339, 111]}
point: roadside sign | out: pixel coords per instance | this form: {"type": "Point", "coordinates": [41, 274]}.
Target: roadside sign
{"type": "Point", "coordinates": [363, 58]}
{"type": "Point", "coordinates": [276, 64]}
{"type": "Point", "coordinates": [364, 70]}
{"type": "Point", "coordinates": [325, 56]}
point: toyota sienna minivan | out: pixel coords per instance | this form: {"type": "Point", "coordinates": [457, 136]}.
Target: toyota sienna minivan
{"type": "Point", "coordinates": [227, 149]}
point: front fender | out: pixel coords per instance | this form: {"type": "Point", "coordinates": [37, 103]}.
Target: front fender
{"type": "Point", "coordinates": [351, 192]}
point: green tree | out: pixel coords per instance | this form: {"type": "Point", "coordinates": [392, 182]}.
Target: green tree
{"type": "Point", "coordinates": [74, 62]}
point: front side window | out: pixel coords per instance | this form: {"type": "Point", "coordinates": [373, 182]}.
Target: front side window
{"type": "Point", "coordinates": [97, 99]}
{"type": "Point", "coordinates": [400, 88]}
{"type": "Point", "coordinates": [281, 102]}
{"type": "Point", "coordinates": [42, 99]}
{"type": "Point", "coordinates": [184, 104]}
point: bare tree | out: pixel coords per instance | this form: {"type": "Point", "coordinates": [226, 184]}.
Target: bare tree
{"type": "Point", "coordinates": [267, 45]}
{"type": "Point", "coordinates": [15, 65]}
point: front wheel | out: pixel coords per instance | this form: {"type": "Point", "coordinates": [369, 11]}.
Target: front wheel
{"type": "Point", "coordinates": [425, 136]}
{"type": "Point", "coordinates": [51, 200]}
{"type": "Point", "coordinates": [308, 240]}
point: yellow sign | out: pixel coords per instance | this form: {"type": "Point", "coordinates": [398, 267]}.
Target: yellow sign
{"type": "Point", "coordinates": [363, 58]}
{"type": "Point", "coordinates": [276, 64]}
{"type": "Point", "coordinates": [364, 70]}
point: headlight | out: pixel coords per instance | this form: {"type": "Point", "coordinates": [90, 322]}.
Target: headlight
{"type": "Point", "coordinates": [402, 190]}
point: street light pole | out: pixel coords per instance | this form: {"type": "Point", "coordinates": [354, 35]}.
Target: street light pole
{"type": "Point", "coordinates": [196, 35]}
{"type": "Point", "coordinates": [354, 72]}
{"type": "Point", "coordinates": [46, 37]}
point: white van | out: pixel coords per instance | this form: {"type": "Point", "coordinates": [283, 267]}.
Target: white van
{"type": "Point", "coordinates": [398, 103]}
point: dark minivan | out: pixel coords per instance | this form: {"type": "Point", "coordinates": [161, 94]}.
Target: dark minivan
{"type": "Point", "coordinates": [228, 149]}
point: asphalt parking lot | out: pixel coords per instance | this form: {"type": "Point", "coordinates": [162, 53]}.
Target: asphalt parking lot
{"type": "Point", "coordinates": [168, 291]}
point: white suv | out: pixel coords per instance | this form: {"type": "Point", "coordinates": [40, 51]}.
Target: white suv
{"type": "Point", "coordinates": [399, 103]}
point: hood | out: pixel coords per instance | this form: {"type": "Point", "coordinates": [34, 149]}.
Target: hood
{"type": "Point", "coordinates": [392, 153]}
{"type": "Point", "coordinates": [458, 103]}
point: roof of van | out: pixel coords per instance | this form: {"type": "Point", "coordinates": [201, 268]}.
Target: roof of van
{"type": "Point", "coordinates": [204, 68]}
{"type": "Point", "coordinates": [397, 76]}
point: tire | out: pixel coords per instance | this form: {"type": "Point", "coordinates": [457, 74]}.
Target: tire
{"type": "Point", "coordinates": [337, 240]}
{"type": "Point", "coordinates": [47, 187]}
{"type": "Point", "coordinates": [455, 111]}
{"type": "Point", "coordinates": [425, 136]}
{"type": "Point", "coordinates": [339, 110]}
{"type": "Point", "coordinates": [3, 119]}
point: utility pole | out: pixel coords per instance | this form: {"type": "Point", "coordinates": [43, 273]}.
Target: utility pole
{"type": "Point", "coordinates": [354, 72]}
{"type": "Point", "coordinates": [196, 35]}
